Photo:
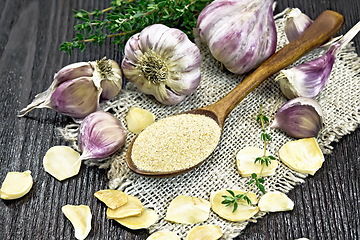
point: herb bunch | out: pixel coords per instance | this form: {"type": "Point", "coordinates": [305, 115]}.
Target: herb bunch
{"type": "Point", "coordinates": [256, 181]}
{"type": "Point", "coordinates": [127, 17]}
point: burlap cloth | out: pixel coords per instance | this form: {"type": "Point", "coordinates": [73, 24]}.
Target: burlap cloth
{"type": "Point", "coordinates": [340, 101]}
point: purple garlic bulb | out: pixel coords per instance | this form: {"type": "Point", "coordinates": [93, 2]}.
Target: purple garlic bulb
{"type": "Point", "coordinates": [240, 34]}
{"type": "Point", "coordinates": [300, 118]}
{"type": "Point", "coordinates": [162, 62]}
{"type": "Point", "coordinates": [100, 135]}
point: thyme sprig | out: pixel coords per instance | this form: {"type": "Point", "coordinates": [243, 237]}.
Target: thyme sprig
{"type": "Point", "coordinates": [127, 17]}
{"type": "Point", "coordinates": [256, 181]}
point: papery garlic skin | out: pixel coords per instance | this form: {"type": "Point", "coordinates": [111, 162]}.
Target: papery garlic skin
{"type": "Point", "coordinates": [240, 34]}
{"type": "Point", "coordinates": [162, 62]}
{"type": "Point", "coordinates": [296, 23]}
{"type": "Point", "coordinates": [77, 88]}
{"type": "Point", "coordinates": [100, 135]}
{"type": "Point", "coordinates": [309, 79]}
{"type": "Point", "coordinates": [300, 118]}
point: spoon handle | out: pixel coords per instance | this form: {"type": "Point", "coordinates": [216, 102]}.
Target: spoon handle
{"type": "Point", "coordinates": [322, 29]}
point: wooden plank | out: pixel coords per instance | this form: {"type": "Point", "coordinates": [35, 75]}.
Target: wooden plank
{"type": "Point", "coordinates": [326, 205]}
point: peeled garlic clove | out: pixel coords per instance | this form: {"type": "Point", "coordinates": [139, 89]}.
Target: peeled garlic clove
{"type": "Point", "coordinates": [240, 34]}
{"type": "Point", "coordinates": [205, 232]}
{"type": "Point", "coordinates": [163, 235]}
{"type": "Point", "coordinates": [133, 207]}
{"type": "Point", "coordinates": [62, 162]}
{"type": "Point", "coordinates": [245, 159]}
{"type": "Point", "coordinates": [100, 135]}
{"type": "Point", "coordinates": [147, 218]}
{"type": "Point", "coordinates": [112, 198]}
{"type": "Point", "coordinates": [296, 23]}
{"type": "Point", "coordinates": [275, 202]}
{"type": "Point", "coordinates": [80, 218]}
{"type": "Point", "coordinates": [77, 88]}
{"type": "Point", "coordinates": [16, 185]}
{"type": "Point", "coordinates": [243, 212]}
{"type": "Point", "coordinates": [138, 119]}
{"type": "Point", "coordinates": [303, 155]}
{"type": "Point", "coordinates": [300, 118]}
{"type": "Point", "coordinates": [162, 62]}
{"type": "Point", "coordinates": [188, 210]}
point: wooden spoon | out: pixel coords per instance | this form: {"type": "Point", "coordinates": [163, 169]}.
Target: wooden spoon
{"type": "Point", "coordinates": [322, 29]}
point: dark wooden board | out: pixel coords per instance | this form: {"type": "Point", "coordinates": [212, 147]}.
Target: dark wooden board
{"type": "Point", "coordinates": [31, 31]}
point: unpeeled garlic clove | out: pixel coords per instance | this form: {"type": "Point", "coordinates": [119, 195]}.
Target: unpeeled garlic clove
{"type": "Point", "coordinates": [100, 135]}
{"type": "Point", "coordinates": [296, 23]}
{"type": "Point", "coordinates": [275, 202]}
{"type": "Point", "coordinates": [300, 118]}
{"type": "Point", "coordinates": [78, 87]}
{"type": "Point", "coordinates": [188, 210]}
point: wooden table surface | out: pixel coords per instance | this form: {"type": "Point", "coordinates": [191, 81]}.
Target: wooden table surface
{"type": "Point", "coordinates": [31, 31]}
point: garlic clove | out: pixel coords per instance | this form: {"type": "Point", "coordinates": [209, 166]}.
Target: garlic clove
{"type": "Point", "coordinates": [275, 202]}
{"type": "Point", "coordinates": [147, 218]}
{"type": "Point", "coordinates": [72, 71]}
{"type": "Point", "coordinates": [188, 210]}
{"type": "Point", "coordinates": [303, 155]}
{"type": "Point", "coordinates": [113, 199]}
{"type": "Point", "coordinates": [80, 218]}
{"type": "Point", "coordinates": [234, 32]}
{"type": "Point", "coordinates": [100, 135]}
{"type": "Point", "coordinates": [76, 98]}
{"type": "Point", "coordinates": [243, 212]}
{"type": "Point", "coordinates": [132, 207]}
{"type": "Point", "coordinates": [77, 88]}
{"type": "Point", "coordinates": [163, 235]}
{"type": "Point", "coordinates": [205, 232]}
{"type": "Point", "coordinates": [245, 159]}
{"type": "Point", "coordinates": [138, 119]}
{"type": "Point", "coordinates": [16, 185]}
{"type": "Point", "coordinates": [296, 23]}
{"type": "Point", "coordinates": [107, 75]}
{"type": "Point", "coordinates": [307, 79]}
{"type": "Point", "coordinates": [300, 118]}
{"type": "Point", "coordinates": [62, 162]}
{"type": "Point", "coordinates": [162, 62]}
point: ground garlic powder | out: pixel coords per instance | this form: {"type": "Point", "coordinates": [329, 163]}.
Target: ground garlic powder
{"type": "Point", "coordinates": [175, 143]}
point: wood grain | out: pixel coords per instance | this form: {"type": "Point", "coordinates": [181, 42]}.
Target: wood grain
{"type": "Point", "coordinates": [31, 31]}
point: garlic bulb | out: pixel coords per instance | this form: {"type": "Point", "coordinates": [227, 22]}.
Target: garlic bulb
{"type": "Point", "coordinates": [77, 88]}
{"type": "Point", "coordinates": [300, 118]}
{"type": "Point", "coordinates": [100, 135]}
{"type": "Point", "coordinates": [162, 62]}
{"type": "Point", "coordinates": [296, 23]}
{"type": "Point", "coordinates": [240, 34]}
{"type": "Point", "coordinates": [309, 79]}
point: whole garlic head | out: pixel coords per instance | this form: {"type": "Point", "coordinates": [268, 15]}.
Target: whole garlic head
{"type": "Point", "coordinates": [162, 62]}
{"type": "Point", "coordinates": [240, 34]}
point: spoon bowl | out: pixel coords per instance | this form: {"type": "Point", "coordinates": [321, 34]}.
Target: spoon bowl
{"type": "Point", "coordinates": [322, 29]}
